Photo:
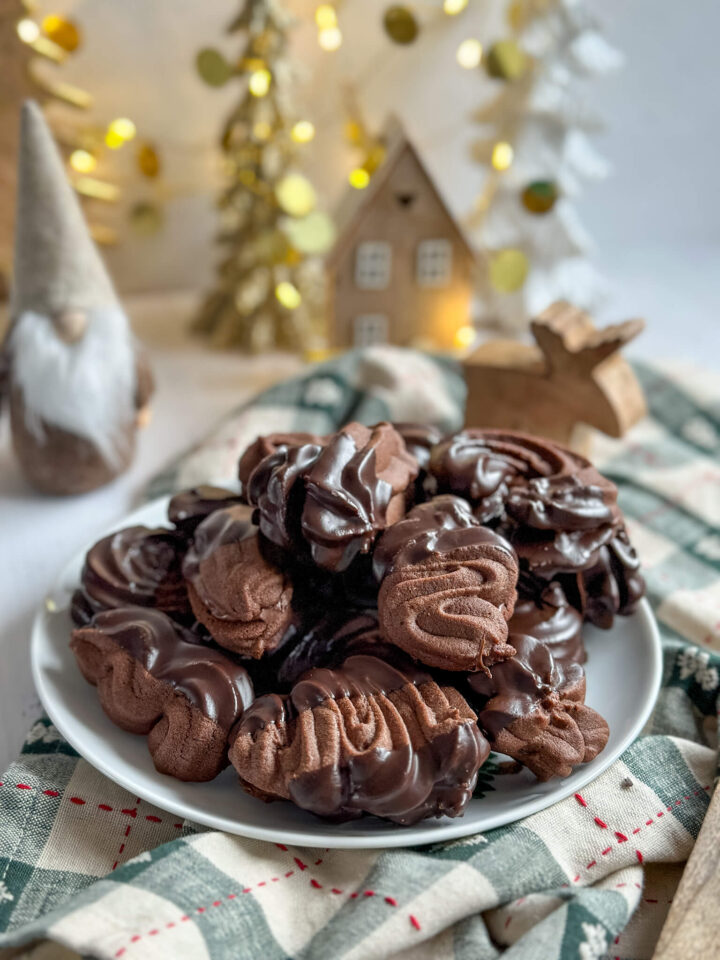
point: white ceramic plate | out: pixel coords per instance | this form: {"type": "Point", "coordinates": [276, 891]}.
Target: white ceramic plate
{"type": "Point", "coordinates": [623, 677]}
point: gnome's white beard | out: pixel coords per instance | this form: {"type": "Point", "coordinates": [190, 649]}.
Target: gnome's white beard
{"type": "Point", "coordinates": [87, 387]}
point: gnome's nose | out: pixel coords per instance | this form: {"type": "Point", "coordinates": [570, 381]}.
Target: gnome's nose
{"type": "Point", "coordinates": [70, 324]}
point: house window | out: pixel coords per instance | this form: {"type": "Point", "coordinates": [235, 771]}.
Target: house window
{"type": "Point", "coordinates": [370, 329]}
{"type": "Point", "coordinates": [372, 265]}
{"type": "Point", "coordinates": [434, 263]}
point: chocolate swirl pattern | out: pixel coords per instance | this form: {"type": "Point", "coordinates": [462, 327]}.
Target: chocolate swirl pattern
{"type": "Point", "coordinates": [137, 565]}
{"type": "Point", "coordinates": [355, 488]}
{"type": "Point", "coordinates": [155, 678]}
{"type": "Point", "coordinates": [366, 737]}
{"type": "Point", "coordinates": [265, 446]}
{"type": "Point", "coordinates": [448, 587]}
{"type": "Point", "coordinates": [242, 599]}
{"type": "Point", "coordinates": [554, 506]}
{"type": "Point", "coordinates": [328, 502]}
{"type": "Point", "coordinates": [532, 709]}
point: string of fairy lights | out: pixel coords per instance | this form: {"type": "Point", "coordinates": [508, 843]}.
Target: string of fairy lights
{"type": "Point", "coordinates": [56, 37]}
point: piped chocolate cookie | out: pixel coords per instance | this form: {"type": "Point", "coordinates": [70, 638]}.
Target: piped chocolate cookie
{"type": "Point", "coordinates": [532, 708]}
{"type": "Point", "coordinates": [241, 598]}
{"type": "Point", "coordinates": [153, 677]}
{"type": "Point", "coordinates": [366, 737]}
{"type": "Point", "coordinates": [448, 587]}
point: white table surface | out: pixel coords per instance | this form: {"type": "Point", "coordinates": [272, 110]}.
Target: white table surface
{"type": "Point", "coordinates": [678, 293]}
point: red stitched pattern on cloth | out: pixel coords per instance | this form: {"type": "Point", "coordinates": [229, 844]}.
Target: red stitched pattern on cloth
{"type": "Point", "coordinates": [312, 883]}
{"type": "Point", "coordinates": [79, 801]}
{"type": "Point", "coordinates": [622, 837]}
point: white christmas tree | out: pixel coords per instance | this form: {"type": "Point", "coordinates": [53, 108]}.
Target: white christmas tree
{"type": "Point", "coordinates": [536, 141]}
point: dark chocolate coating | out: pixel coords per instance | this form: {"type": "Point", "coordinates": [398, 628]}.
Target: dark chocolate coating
{"type": "Point", "coordinates": [190, 507]}
{"type": "Point", "coordinates": [550, 618]}
{"type": "Point", "coordinates": [327, 502]}
{"type": "Point", "coordinates": [532, 708]}
{"type": "Point", "coordinates": [211, 681]}
{"type": "Point", "coordinates": [519, 684]}
{"type": "Point", "coordinates": [328, 642]}
{"type": "Point", "coordinates": [613, 585]}
{"type": "Point", "coordinates": [429, 532]}
{"type": "Point", "coordinates": [351, 492]}
{"type": "Point", "coordinates": [138, 566]}
{"type": "Point", "coordinates": [276, 489]}
{"type": "Point", "coordinates": [366, 737]}
{"type": "Point", "coordinates": [482, 465]}
{"type": "Point", "coordinates": [268, 444]}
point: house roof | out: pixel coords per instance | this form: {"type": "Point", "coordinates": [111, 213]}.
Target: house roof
{"type": "Point", "coordinates": [356, 203]}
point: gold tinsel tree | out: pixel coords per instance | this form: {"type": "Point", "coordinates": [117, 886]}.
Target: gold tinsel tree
{"type": "Point", "coordinates": [267, 280]}
{"type": "Point", "coordinates": [28, 45]}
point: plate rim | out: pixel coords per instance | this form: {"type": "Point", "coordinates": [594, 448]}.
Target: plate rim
{"type": "Point", "coordinates": [322, 836]}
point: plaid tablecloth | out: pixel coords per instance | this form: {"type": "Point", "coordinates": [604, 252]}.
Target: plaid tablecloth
{"type": "Point", "coordinates": [86, 866]}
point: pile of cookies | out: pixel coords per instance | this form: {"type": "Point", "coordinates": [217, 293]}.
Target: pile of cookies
{"type": "Point", "coordinates": [373, 613]}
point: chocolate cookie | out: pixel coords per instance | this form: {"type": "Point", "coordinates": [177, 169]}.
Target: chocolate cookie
{"type": "Point", "coordinates": [329, 501]}
{"type": "Point", "coordinates": [154, 677]}
{"type": "Point", "coordinates": [138, 566]}
{"type": "Point", "coordinates": [190, 507]}
{"type": "Point", "coordinates": [448, 587]}
{"type": "Point", "coordinates": [483, 465]}
{"type": "Point", "coordinates": [242, 599]}
{"type": "Point", "coordinates": [532, 708]}
{"type": "Point", "coordinates": [366, 737]}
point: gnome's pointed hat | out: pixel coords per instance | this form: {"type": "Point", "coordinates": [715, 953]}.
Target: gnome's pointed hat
{"type": "Point", "coordinates": [57, 266]}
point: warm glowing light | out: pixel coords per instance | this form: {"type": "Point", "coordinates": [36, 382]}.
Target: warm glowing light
{"type": "Point", "coordinates": [502, 155]}
{"type": "Point", "coordinates": [469, 53]}
{"type": "Point", "coordinates": [359, 178]}
{"type": "Point", "coordinates": [453, 7]}
{"type": "Point", "coordinates": [28, 31]}
{"type": "Point", "coordinates": [259, 82]}
{"type": "Point", "coordinates": [113, 140]}
{"type": "Point", "coordinates": [288, 295]}
{"type": "Point", "coordinates": [464, 336]}
{"type": "Point", "coordinates": [325, 17]}
{"type": "Point", "coordinates": [303, 131]}
{"type": "Point", "coordinates": [122, 128]}
{"type": "Point", "coordinates": [63, 32]}
{"type": "Point", "coordinates": [296, 195]}
{"type": "Point", "coordinates": [82, 161]}
{"type": "Point", "coordinates": [262, 130]}
{"type": "Point", "coordinates": [330, 39]}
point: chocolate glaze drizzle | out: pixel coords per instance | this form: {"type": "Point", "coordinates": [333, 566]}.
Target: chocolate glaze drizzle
{"type": "Point", "coordinates": [215, 684]}
{"type": "Point", "coordinates": [400, 772]}
{"type": "Point", "coordinates": [137, 565]}
{"type": "Point", "coordinates": [430, 531]}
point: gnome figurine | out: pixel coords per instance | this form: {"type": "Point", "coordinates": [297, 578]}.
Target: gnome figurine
{"type": "Point", "coordinates": [70, 370]}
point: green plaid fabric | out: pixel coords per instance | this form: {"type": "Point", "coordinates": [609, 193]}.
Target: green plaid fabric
{"type": "Point", "coordinates": [87, 866]}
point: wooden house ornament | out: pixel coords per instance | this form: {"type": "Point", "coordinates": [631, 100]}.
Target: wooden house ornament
{"type": "Point", "coordinates": [401, 271]}
{"type": "Point", "coordinates": [572, 378]}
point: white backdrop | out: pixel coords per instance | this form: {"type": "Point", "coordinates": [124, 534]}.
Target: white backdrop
{"type": "Point", "coordinates": [661, 136]}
